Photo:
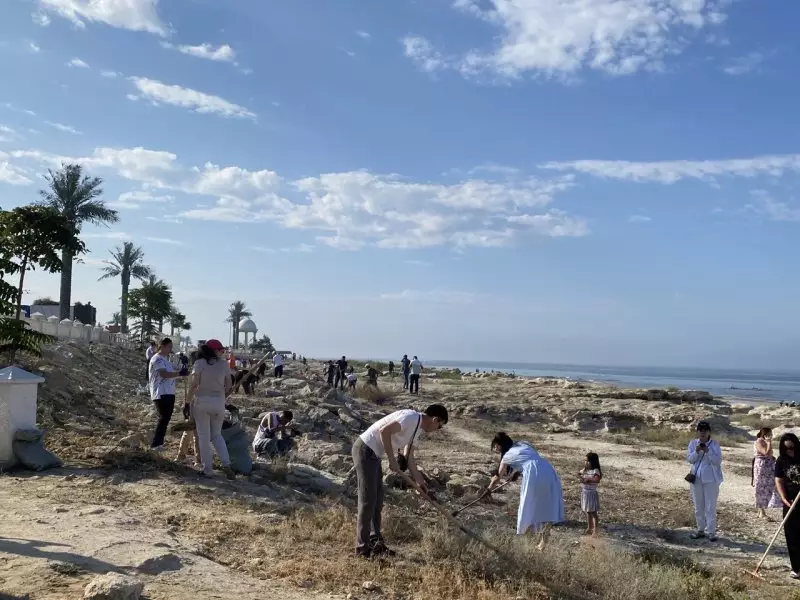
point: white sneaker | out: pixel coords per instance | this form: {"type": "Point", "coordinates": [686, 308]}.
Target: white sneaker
{"type": "Point", "coordinates": [158, 449]}
{"type": "Point", "coordinates": [794, 575]}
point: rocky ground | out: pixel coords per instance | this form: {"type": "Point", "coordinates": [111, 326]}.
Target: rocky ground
{"type": "Point", "coordinates": [287, 528]}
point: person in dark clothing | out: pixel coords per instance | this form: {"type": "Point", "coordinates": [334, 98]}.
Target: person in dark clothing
{"type": "Point", "coordinates": [330, 371]}
{"type": "Point", "coordinates": [372, 376]}
{"type": "Point", "coordinates": [787, 482]}
{"type": "Point", "coordinates": [406, 370]}
{"type": "Point", "coordinates": [341, 373]}
{"type": "Point", "coordinates": [391, 368]}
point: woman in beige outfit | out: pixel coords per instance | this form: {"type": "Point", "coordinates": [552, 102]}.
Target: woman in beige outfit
{"type": "Point", "coordinates": [211, 383]}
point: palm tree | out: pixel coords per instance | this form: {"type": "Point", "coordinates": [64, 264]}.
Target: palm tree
{"type": "Point", "coordinates": [177, 320]}
{"type": "Point", "coordinates": [150, 304]}
{"type": "Point", "coordinates": [75, 196]}
{"type": "Point", "coordinates": [236, 313]}
{"type": "Point", "coordinates": [127, 263]}
{"type": "Point", "coordinates": [116, 319]}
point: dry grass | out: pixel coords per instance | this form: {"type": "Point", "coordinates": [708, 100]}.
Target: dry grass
{"type": "Point", "coordinates": [667, 436]}
{"type": "Point", "coordinates": [314, 547]}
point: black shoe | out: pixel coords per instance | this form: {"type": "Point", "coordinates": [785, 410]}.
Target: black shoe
{"type": "Point", "coordinates": [379, 548]}
{"type": "Point", "coordinates": [698, 535]}
{"type": "Point", "coordinates": [365, 555]}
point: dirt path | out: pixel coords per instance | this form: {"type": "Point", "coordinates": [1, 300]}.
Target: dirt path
{"type": "Point", "coordinates": [51, 551]}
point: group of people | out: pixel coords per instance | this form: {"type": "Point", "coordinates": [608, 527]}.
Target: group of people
{"type": "Point", "coordinates": [206, 390]}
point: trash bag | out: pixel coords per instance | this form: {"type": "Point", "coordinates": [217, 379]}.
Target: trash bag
{"type": "Point", "coordinates": [28, 446]}
{"type": "Point", "coordinates": [238, 448]}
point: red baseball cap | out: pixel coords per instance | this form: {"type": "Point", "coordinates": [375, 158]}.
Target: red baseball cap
{"type": "Point", "coordinates": [215, 345]}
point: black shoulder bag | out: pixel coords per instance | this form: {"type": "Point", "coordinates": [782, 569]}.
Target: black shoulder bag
{"type": "Point", "coordinates": [402, 459]}
{"type": "Point", "coordinates": [692, 476]}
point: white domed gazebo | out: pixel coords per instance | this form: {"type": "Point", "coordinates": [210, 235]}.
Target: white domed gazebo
{"type": "Point", "coordinates": [247, 326]}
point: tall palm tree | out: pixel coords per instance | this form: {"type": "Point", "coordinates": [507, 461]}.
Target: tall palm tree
{"type": "Point", "coordinates": [150, 305]}
{"type": "Point", "coordinates": [177, 320]}
{"type": "Point", "coordinates": [127, 263]}
{"type": "Point", "coordinates": [75, 196]}
{"type": "Point", "coordinates": [237, 312]}
{"type": "Point", "coordinates": [116, 319]}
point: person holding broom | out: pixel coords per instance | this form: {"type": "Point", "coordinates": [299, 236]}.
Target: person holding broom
{"type": "Point", "coordinates": [787, 482]}
{"type": "Point", "coordinates": [397, 431]}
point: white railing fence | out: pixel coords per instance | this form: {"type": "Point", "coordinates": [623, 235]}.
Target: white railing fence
{"type": "Point", "coordinates": [75, 330]}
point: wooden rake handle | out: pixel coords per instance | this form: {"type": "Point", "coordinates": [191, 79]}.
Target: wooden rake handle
{"type": "Point", "coordinates": [482, 496]}
{"type": "Point", "coordinates": [777, 532]}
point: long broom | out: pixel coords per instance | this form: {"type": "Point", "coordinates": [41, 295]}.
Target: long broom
{"type": "Point", "coordinates": [772, 541]}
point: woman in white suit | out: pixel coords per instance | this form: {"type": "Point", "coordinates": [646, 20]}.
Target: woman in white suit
{"type": "Point", "coordinates": [705, 456]}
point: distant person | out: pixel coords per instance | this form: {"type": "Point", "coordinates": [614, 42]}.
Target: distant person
{"type": "Point", "coordinates": [397, 431]}
{"type": "Point", "coordinates": [705, 456]}
{"type": "Point", "coordinates": [372, 376]}
{"type": "Point", "coordinates": [277, 362]}
{"type": "Point", "coordinates": [352, 380]}
{"type": "Point", "coordinates": [590, 476]}
{"type": "Point", "coordinates": [406, 366]}
{"type": "Point", "coordinates": [294, 356]}
{"type": "Point", "coordinates": [266, 442]}
{"type": "Point", "coordinates": [330, 372]}
{"type": "Point", "coordinates": [341, 372]}
{"type": "Point", "coordinates": [231, 361]}
{"type": "Point", "coordinates": [183, 364]}
{"type": "Point", "coordinates": [211, 384]}
{"type": "Point", "coordinates": [148, 354]}
{"type": "Point", "coordinates": [763, 473]}
{"type": "Point", "coordinates": [162, 376]}
{"type": "Point", "coordinates": [541, 499]}
{"type": "Point", "coordinates": [391, 368]}
{"type": "Point", "coordinates": [305, 362]}
{"type": "Point", "coordinates": [787, 483]}
{"type": "Point", "coordinates": [416, 371]}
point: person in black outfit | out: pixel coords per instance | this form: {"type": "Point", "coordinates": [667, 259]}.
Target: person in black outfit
{"type": "Point", "coordinates": [330, 371]}
{"type": "Point", "coordinates": [787, 482]}
{"type": "Point", "coordinates": [406, 370]}
{"type": "Point", "coordinates": [341, 373]}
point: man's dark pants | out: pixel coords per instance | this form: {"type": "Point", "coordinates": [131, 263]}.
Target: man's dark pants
{"type": "Point", "coordinates": [279, 371]}
{"type": "Point", "coordinates": [165, 406]}
{"type": "Point", "coordinates": [414, 384]}
{"type": "Point", "coordinates": [370, 497]}
{"type": "Point", "coordinates": [405, 380]}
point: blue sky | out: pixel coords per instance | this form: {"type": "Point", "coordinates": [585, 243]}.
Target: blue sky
{"type": "Point", "coordinates": [604, 182]}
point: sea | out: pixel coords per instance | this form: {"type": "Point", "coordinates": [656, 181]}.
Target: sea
{"type": "Point", "coordinates": [734, 385]}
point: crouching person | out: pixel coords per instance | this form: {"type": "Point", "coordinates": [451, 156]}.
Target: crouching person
{"type": "Point", "coordinates": [267, 443]}
{"type": "Point", "coordinates": [397, 431]}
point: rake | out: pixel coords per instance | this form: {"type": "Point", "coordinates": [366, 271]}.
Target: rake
{"type": "Point", "coordinates": [755, 573]}
{"type": "Point", "coordinates": [481, 497]}
{"type": "Point", "coordinates": [450, 518]}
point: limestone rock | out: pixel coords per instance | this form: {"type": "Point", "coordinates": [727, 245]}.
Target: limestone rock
{"type": "Point", "coordinates": [113, 586]}
{"type": "Point", "coordinates": [313, 480]}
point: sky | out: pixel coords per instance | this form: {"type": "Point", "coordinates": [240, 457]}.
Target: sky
{"type": "Point", "coordinates": [581, 181]}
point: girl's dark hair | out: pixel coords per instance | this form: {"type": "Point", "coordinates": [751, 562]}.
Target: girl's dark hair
{"type": "Point", "coordinates": [207, 353]}
{"type": "Point", "coordinates": [789, 437]}
{"type": "Point", "coordinates": [502, 440]}
{"type": "Point", "coordinates": [594, 462]}
{"type": "Point", "coordinates": [764, 432]}
{"type": "Point", "coordinates": [164, 342]}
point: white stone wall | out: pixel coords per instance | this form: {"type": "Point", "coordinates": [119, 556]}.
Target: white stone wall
{"type": "Point", "coordinates": [75, 330]}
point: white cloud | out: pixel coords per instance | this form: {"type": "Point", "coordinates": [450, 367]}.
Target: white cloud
{"type": "Point", "coordinates": [137, 199]}
{"type": "Point", "coordinates": [363, 34]}
{"type": "Point", "coordinates": [348, 210]}
{"type": "Point", "coordinates": [639, 219]}
{"type": "Point", "coordinates": [8, 134]}
{"type": "Point", "coordinates": [109, 74]}
{"type": "Point", "coordinates": [433, 296]}
{"type": "Point", "coordinates": [304, 248]}
{"type": "Point", "coordinates": [158, 92]}
{"type": "Point", "coordinates": [64, 128]}
{"type": "Point", "coordinates": [168, 241]}
{"type": "Point", "coordinates": [773, 209]}
{"type": "Point", "coordinates": [34, 47]}
{"type": "Point", "coordinates": [745, 64]}
{"type": "Point", "coordinates": [41, 19]}
{"type": "Point", "coordinates": [135, 15]}
{"type": "Point", "coordinates": [672, 171]}
{"type": "Point", "coordinates": [77, 63]}
{"type": "Point", "coordinates": [422, 54]}
{"type": "Point", "coordinates": [107, 235]}
{"type": "Point", "coordinates": [11, 174]}
{"type": "Point", "coordinates": [223, 53]}
{"type": "Point", "coordinates": [558, 37]}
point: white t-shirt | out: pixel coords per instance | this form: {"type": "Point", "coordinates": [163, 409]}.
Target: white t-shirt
{"type": "Point", "coordinates": [158, 385]}
{"type": "Point", "coordinates": [352, 377]}
{"type": "Point", "coordinates": [416, 367]}
{"type": "Point", "coordinates": [409, 421]}
{"type": "Point", "coordinates": [149, 352]}
{"type": "Point", "coordinates": [277, 360]}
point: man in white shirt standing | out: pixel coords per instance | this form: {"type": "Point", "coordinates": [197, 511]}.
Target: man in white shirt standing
{"type": "Point", "coordinates": [397, 431]}
{"type": "Point", "coordinates": [705, 456]}
{"type": "Point", "coordinates": [277, 362]}
{"type": "Point", "coordinates": [416, 370]}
